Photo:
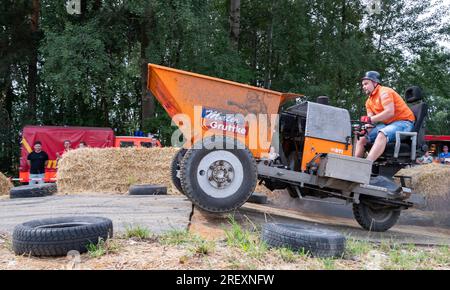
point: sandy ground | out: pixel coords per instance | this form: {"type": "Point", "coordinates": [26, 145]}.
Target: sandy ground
{"type": "Point", "coordinates": [153, 254]}
{"type": "Point", "coordinates": [401, 248]}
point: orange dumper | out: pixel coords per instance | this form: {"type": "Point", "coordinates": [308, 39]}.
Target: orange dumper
{"type": "Point", "coordinates": [235, 134]}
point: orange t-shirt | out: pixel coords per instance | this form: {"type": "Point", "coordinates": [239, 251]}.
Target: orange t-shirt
{"type": "Point", "coordinates": [375, 105]}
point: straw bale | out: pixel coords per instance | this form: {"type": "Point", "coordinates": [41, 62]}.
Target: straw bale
{"type": "Point", "coordinates": [5, 185]}
{"type": "Point", "coordinates": [430, 179]}
{"type": "Point", "coordinates": [113, 170]}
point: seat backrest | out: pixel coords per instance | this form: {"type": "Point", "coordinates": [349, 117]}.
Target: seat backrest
{"type": "Point", "coordinates": [412, 95]}
{"type": "Point", "coordinates": [420, 112]}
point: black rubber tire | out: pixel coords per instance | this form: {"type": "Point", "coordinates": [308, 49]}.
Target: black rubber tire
{"type": "Point", "coordinates": [58, 236]}
{"type": "Point", "coordinates": [35, 190]}
{"type": "Point", "coordinates": [258, 198]}
{"type": "Point", "coordinates": [206, 202]}
{"type": "Point", "coordinates": [315, 241]}
{"type": "Point", "coordinates": [147, 189]}
{"type": "Point", "coordinates": [364, 215]}
{"type": "Point", "coordinates": [175, 166]}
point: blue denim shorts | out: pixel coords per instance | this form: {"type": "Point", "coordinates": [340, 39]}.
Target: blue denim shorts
{"type": "Point", "coordinates": [389, 130]}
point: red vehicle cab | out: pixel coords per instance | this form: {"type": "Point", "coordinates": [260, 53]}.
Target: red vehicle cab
{"type": "Point", "coordinates": [131, 141]}
{"type": "Point", "coordinates": [53, 137]}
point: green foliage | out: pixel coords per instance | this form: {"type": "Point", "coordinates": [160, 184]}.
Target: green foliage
{"type": "Point", "coordinates": [248, 242]}
{"type": "Point", "coordinates": [138, 232]}
{"type": "Point", "coordinates": [103, 248]}
{"type": "Point", "coordinates": [91, 67]}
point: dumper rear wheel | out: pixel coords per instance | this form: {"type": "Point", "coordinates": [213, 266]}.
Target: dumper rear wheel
{"type": "Point", "coordinates": [175, 168]}
{"type": "Point", "coordinates": [218, 180]}
{"type": "Point", "coordinates": [375, 218]}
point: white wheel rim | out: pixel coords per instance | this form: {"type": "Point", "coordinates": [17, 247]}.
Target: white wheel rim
{"type": "Point", "coordinates": [220, 174]}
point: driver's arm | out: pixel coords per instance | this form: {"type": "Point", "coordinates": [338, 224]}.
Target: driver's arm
{"type": "Point", "coordinates": [387, 100]}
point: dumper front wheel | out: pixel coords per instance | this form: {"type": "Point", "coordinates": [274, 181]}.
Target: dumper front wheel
{"type": "Point", "coordinates": [175, 168]}
{"type": "Point", "coordinates": [218, 180]}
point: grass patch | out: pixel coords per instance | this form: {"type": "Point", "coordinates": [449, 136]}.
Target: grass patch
{"type": "Point", "coordinates": [403, 259]}
{"type": "Point", "coordinates": [102, 248]}
{"type": "Point", "coordinates": [243, 239]}
{"type": "Point", "coordinates": [7, 243]}
{"type": "Point", "coordinates": [197, 245]}
{"type": "Point", "coordinates": [355, 248]}
{"type": "Point", "coordinates": [328, 263]}
{"type": "Point", "coordinates": [442, 257]}
{"type": "Point", "coordinates": [176, 237]}
{"type": "Point", "coordinates": [138, 232]}
{"type": "Point", "coordinates": [203, 247]}
{"type": "Point", "coordinates": [287, 255]}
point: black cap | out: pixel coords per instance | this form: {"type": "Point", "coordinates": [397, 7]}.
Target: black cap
{"type": "Point", "coordinates": [373, 76]}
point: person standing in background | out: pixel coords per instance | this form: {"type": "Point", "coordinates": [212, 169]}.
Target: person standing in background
{"type": "Point", "coordinates": [37, 161]}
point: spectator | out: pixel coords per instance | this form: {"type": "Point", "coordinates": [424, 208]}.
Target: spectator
{"type": "Point", "coordinates": [82, 145]}
{"type": "Point", "coordinates": [67, 148]}
{"type": "Point", "coordinates": [444, 157]}
{"type": "Point", "coordinates": [427, 158]}
{"type": "Point", "coordinates": [37, 161]}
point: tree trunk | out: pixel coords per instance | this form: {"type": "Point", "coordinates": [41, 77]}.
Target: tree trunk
{"type": "Point", "coordinates": [235, 21]}
{"type": "Point", "coordinates": [32, 63]}
{"type": "Point", "coordinates": [6, 132]}
{"type": "Point", "coordinates": [268, 77]}
{"type": "Point", "coordinates": [148, 101]}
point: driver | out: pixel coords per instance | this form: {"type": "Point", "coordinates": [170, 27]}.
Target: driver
{"type": "Point", "coordinates": [388, 113]}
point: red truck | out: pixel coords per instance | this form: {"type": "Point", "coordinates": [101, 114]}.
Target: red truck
{"type": "Point", "coordinates": [53, 137]}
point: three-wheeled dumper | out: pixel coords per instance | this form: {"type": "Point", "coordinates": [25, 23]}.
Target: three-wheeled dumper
{"type": "Point", "coordinates": [306, 149]}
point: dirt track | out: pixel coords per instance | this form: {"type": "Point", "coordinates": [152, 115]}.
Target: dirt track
{"type": "Point", "coordinates": [157, 213]}
{"type": "Point", "coordinates": [164, 213]}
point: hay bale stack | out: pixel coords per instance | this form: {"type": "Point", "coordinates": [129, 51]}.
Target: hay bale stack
{"type": "Point", "coordinates": [431, 180]}
{"type": "Point", "coordinates": [113, 170]}
{"type": "Point", "coordinates": [5, 185]}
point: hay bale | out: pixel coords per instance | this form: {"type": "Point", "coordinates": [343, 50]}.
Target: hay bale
{"type": "Point", "coordinates": [5, 185]}
{"type": "Point", "coordinates": [113, 170]}
{"type": "Point", "coordinates": [431, 180]}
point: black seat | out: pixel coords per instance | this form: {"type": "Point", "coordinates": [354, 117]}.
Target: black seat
{"type": "Point", "coordinates": [420, 110]}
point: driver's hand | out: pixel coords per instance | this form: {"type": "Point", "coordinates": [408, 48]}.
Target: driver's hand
{"type": "Point", "coordinates": [366, 119]}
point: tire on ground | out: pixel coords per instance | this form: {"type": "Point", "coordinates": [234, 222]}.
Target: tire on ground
{"type": "Point", "coordinates": [315, 241]}
{"type": "Point", "coordinates": [258, 198]}
{"type": "Point", "coordinates": [147, 189]}
{"type": "Point", "coordinates": [375, 220]}
{"type": "Point", "coordinates": [218, 180]}
{"type": "Point", "coordinates": [35, 190]}
{"type": "Point", "coordinates": [175, 167]}
{"type": "Point", "coordinates": [59, 236]}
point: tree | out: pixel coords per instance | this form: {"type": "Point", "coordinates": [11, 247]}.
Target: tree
{"type": "Point", "coordinates": [235, 21]}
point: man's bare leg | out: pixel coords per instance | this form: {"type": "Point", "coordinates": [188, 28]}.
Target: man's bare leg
{"type": "Point", "coordinates": [378, 147]}
{"type": "Point", "coordinates": [360, 147]}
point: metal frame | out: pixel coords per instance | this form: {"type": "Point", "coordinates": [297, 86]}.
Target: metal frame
{"type": "Point", "coordinates": [405, 199]}
{"type": "Point", "coordinates": [398, 142]}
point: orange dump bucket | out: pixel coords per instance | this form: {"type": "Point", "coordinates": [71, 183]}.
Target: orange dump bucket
{"type": "Point", "coordinates": [214, 101]}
